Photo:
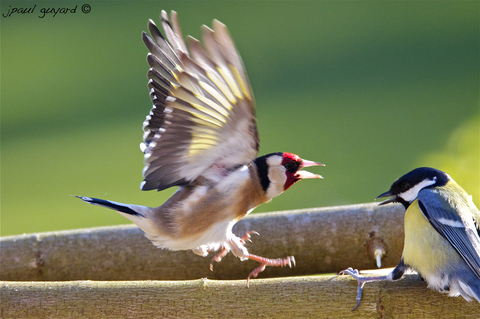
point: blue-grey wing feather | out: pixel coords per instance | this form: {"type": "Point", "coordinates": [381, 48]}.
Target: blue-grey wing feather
{"type": "Point", "coordinates": [458, 228]}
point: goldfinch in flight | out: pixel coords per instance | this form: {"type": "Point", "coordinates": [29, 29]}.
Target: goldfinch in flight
{"type": "Point", "coordinates": [442, 228]}
{"type": "Point", "coordinates": [201, 135]}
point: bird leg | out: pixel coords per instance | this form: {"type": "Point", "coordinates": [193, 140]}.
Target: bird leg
{"type": "Point", "coordinates": [224, 250]}
{"type": "Point", "coordinates": [218, 257]}
{"type": "Point", "coordinates": [279, 262]}
{"type": "Point", "coordinates": [361, 282]}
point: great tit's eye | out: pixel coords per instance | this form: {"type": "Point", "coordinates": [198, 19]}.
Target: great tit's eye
{"type": "Point", "coordinates": [405, 187]}
{"type": "Point", "coordinates": [290, 166]}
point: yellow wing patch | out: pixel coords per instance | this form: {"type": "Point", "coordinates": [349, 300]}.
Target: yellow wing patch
{"type": "Point", "coordinates": [210, 90]}
{"type": "Point", "coordinates": [240, 81]}
{"type": "Point", "coordinates": [212, 104]}
{"type": "Point", "coordinates": [231, 83]}
{"type": "Point", "coordinates": [198, 115]}
{"type": "Point", "coordinates": [201, 142]}
{"type": "Point", "coordinates": [225, 90]}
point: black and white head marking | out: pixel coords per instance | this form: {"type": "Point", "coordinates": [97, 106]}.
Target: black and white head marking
{"type": "Point", "coordinates": [405, 189]}
{"type": "Point", "coordinates": [263, 169]}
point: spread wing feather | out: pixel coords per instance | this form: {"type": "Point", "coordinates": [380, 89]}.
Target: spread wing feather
{"type": "Point", "coordinates": [203, 117]}
{"type": "Point", "coordinates": [459, 230]}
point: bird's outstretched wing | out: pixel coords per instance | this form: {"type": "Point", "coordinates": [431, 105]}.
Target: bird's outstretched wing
{"type": "Point", "coordinates": [459, 229]}
{"type": "Point", "coordinates": [203, 115]}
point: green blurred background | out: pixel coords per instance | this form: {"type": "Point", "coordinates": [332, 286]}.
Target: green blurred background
{"type": "Point", "coordinates": [372, 89]}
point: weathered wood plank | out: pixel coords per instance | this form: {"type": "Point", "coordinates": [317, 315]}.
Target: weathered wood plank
{"type": "Point", "coordinates": [293, 297]}
{"type": "Point", "coordinates": [323, 240]}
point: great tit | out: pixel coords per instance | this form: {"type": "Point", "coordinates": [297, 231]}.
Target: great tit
{"type": "Point", "coordinates": [442, 228]}
{"type": "Point", "coordinates": [201, 135]}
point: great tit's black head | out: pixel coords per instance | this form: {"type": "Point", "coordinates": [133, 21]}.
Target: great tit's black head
{"type": "Point", "coordinates": [405, 189]}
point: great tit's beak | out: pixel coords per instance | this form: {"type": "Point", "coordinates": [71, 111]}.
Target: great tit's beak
{"type": "Point", "coordinates": [304, 174]}
{"type": "Point", "coordinates": [393, 199]}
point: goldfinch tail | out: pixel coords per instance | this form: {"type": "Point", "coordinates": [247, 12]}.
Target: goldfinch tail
{"type": "Point", "coordinates": [119, 207]}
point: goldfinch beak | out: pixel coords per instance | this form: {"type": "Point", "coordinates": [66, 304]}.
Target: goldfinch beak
{"type": "Point", "coordinates": [305, 174]}
{"type": "Point", "coordinates": [390, 200]}
{"type": "Point", "coordinates": [307, 163]}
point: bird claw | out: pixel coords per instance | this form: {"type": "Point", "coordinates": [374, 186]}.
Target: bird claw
{"type": "Point", "coordinates": [279, 262]}
{"type": "Point", "coordinates": [350, 271]}
{"type": "Point", "coordinates": [247, 236]}
{"type": "Point", "coordinates": [218, 258]}
{"type": "Point", "coordinates": [361, 282]}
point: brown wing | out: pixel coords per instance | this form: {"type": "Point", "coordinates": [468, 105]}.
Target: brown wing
{"type": "Point", "coordinates": [203, 115]}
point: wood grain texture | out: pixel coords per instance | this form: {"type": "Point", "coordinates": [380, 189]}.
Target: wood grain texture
{"type": "Point", "coordinates": [307, 297]}
{"type": "Point", "coordinates": [38, 270]}
{"type": "Point", "coordinates": [323, 240]}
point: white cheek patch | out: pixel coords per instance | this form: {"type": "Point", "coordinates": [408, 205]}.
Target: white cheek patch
{"type": "Point", "coordinates": [412, 193]}
{"type": "Point", "coordinates": [274, 160]}
{"type": "Point", "coordinates": [276, 175]}
{"type": "Point", "coordinates": [274, 190]}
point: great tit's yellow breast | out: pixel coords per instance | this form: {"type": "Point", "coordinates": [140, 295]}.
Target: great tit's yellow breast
{"type": "Point", "coordinates": [425, 250]}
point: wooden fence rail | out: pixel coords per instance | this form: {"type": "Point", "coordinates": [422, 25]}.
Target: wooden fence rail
{"type": "Point", "coordinates": [115, 272]}
{"type": "Point", "coordinates": [323, 240]}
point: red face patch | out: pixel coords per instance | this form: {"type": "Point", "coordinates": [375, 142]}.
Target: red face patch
{"type": "Point", "coordinates": [287, 157]}
{"type": "Point", "coordinates": [291, 163]}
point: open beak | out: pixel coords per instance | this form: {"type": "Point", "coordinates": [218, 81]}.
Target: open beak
{"type": "Point", "coordinates": [304, 174]}
{"type": "Point", "coordinates": [392, 199]}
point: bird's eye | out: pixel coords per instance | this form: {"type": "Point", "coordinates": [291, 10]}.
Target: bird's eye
{"type": "Point", "coordinates": [405, 187]}
{"type": "Point", "coordinates": [290, 166]}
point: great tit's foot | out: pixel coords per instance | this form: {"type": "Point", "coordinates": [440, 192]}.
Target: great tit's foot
{"type": "Point", "coordinates": [350, 271]}
{"type": "Point", "coordinates": [279, 262]}
{"type": "Point", "coordinates": [361, 282]}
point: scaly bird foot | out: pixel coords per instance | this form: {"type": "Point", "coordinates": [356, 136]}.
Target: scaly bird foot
{"type": "Point", "coordinates": [350, 271]}
{"type": "Point", "coordinates": [224, 251]}
{"type": "Point", "coordinates": [218, 257]}
{"type": "Point", "coordinates": [279, 262]}
{"type": "Point", "coordinates": [361, 282]}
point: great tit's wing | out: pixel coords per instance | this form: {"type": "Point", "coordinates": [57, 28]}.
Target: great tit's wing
{"type": "Point", "coordinates": [451, 216]}
{"type": "Point", "coordinates": [203, 118]}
